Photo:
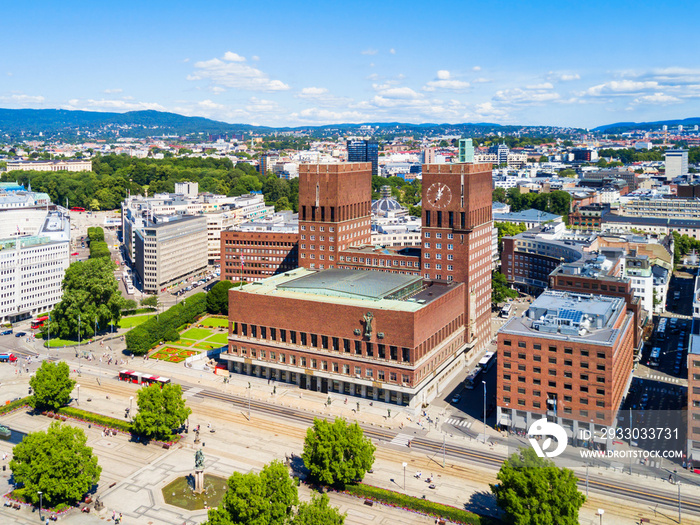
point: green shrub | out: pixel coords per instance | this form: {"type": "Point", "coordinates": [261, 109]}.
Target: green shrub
{"type": "Point", "coordinates": [431, 508]}
{"type": "Point", "coordinates": [145, 336]}
{"type": "Point", "coordinates": [97, 419]}
{"type": "Point", "coordinates": [96, 234]}
{"type": "Point", "coordinates": [12, 405]}
{"type": "Point", "coordinates": [99, 249]}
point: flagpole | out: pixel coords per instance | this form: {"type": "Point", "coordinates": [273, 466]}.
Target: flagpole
{"type": "Point", "coordinates": [78, 334]}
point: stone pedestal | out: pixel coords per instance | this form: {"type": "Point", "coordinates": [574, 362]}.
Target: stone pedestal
{"type": "Point", "coordinates": [198, 481]}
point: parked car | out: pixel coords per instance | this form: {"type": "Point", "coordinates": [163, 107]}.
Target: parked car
{"type": "Point", "coordinates": [21, 334]}
{"type": "Point", "coordinates": [6, 332]}
{"type": "Point", "coordinates": [456, 398]}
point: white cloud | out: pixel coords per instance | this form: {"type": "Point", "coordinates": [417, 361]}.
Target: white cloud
{"type": "Point", "coordinates": [257, 105]}
{"type": "Point", "coordinates": [218, 89]}
{"type": "Point", "coordinates": [233, 57]}
{"type": "Point", "coordinates": [525, 96]}
{"type": "Point", "coordinates": [544, 85]}
{"type": "Point", "coordinates": [318, 115]}
{"type": "Point", "coordinates": [21, 98]}
{"type": "Point", "coordinates": [110, 91]}
{"type": "Point", "coordinates": [111, 105]}
{"type": "Point", "coordinates": [232, 72]}
{"type": "Point", "coordinates": [443, 74]}
{"type": "Point", "coordinates": [312, 92]}
{"type": "Point", "coordinates": [488, 110]}
{"type": "Point", "coordinates": [392, 51]}
{"type": "Point", "coordinates": [369, 51]}
{"type": "Point", "coordinates": [481, 80]}
{"type": "Point", "coordinates": [399, 92]}
{"type": "Point", "coordinates": [620, 87]}
{"type": "Point", "coordinates": [656, 98]}
{"type": "Point", "coordinates": [476, 68]}
{"type": "Point", "coordinates": [567, 77]}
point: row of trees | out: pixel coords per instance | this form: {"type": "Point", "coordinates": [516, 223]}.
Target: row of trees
{"type": "Point", "coordinates": [91, 299]}
{"type": "Point", "coordinates": [683, 245]}
{"type": "Point", "coordinates": [164, 327]}
{"type": "Point", "coordinates": [557, 202]}
{"type": "Point", "coordinates": [113, 176]}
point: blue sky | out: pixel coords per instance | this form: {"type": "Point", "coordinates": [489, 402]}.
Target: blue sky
{"type": "Point", "coordinates": [297, 63]}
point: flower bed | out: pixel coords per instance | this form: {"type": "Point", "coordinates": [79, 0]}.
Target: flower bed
{"type": "Point", "coordinates": [13, 406]}
{"type": "Point", "coordinates": [422, 506]}
{"type": "Point", "coordinates": [173, 355]}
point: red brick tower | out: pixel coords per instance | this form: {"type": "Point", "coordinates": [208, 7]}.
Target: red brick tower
{"type": "Point", "coordinates": [335, 202]}
{"type": "Point", "coordinates": [457, 230]}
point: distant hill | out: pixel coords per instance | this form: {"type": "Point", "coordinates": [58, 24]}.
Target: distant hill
{"type": "Point", "coordinates": [21, 124]}
{"type": "Point", "coordinates": [621, 127]}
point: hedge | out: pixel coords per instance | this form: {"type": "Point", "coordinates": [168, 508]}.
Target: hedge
{"type": "Point", "coordinates": [96, 234]}
{"type": "Point", "coordinates": [99, 249]}
{"type": "Point", "coordinates": [14, 405]}
{"type": "Point", "coordinates": [97, 419]}
{"type": "Point", "coordinates": [396, 499]}
{"type": "Point", "coordinates": [165, 326]}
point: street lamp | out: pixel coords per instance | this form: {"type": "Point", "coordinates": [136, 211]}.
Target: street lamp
{"type": "Point", "coordinates": [249, 388]}
{"type": "Point", "coordinates": [600, 513]}
{"type": "Point", "coordinates": [131, 400]}
{"type": "Point", "coordinates": [41, 503]}
{"type": "Point", "coordinates": [404, 474]}
{"type": "Point", "coordinates": [484, 383]}
{"type": "Point", "coordinates": [78, 398]}
{"type": "Point", "coordinates": [679, 501]}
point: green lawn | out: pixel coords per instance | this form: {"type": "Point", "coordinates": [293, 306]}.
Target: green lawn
{"type": "Point", "coordinates": [222, 339]}
{"type": "Point", "coordinates": [207, 346]}
{"type": "Point", "coordinates": [196, 333]}
{"type": "Point", "coordinates": [134, 320]}
{"type": "Point", "coordinates": [54, 342]}
{"type": "Point", "coordinates": [215, 321]}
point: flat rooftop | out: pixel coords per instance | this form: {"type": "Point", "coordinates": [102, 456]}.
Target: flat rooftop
{"type": "Point", "coordinates": [565, 315]}
{"type": "Point", "coordinates": [363, 288]}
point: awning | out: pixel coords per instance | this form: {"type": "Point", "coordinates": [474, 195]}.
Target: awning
{"type": "Point", "coordinates": [504, 421]}
{"type": "Point", "coordinates": [695, 455]}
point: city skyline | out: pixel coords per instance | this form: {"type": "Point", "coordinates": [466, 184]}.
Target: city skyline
{"type": "Point", "coordinates": [278, 65]}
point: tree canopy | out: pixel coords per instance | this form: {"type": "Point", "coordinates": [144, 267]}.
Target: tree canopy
{"type": "Point", "coordinates": [51, 385]}
{"type": "Point", "coordinates": [266, 498]}
{"type": "Point", "coordinates": [318, 512]}
{"type": "Point", "coordinates": [217, 298]}
{"type": "Point", "coordinates": [337, 453]}
{"type": "Point", "coordinates": [91, 299]}
{"type": "Point", "coordinates": [56, 462]}
{"type": "Point", "coordinates": [500, 291]}
{"type": "Point", "coordinates": [556, 202]}
{"type": "Point", "coordinates": [533, 491]}
{"type": "Point", "coordinates": [160, 411]}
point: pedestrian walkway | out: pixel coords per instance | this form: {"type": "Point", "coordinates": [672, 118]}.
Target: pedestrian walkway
{"type": "Point", "coordinates": [459, 422]}
{"type": "Point", "coordinates": [401, 440]}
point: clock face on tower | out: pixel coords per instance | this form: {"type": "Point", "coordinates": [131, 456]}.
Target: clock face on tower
{"type": "Point", "coordinates": [439, 195]}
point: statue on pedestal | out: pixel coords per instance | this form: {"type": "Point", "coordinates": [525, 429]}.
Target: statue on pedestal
{"type": "Point", "coordinates": [199, 471]}
{"type": "Point", "coordinates": [199, 460]}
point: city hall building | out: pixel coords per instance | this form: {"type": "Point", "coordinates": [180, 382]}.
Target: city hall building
{"type": "Point", "coordinates": [387, 324]}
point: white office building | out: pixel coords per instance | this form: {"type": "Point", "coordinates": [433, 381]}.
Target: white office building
{"type": "Point", "coordinates": [34, 255]}
{"type": "Point", "coordinates": [676, 163]}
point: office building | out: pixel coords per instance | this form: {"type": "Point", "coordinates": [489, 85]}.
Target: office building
{"type": "Point", "coordinates": [693, 433]}
{"type": "Point", "coordinates": [34, 255]}
{"type": "Point", "coordinates": [569, 358]}
{"type": "Point", "coordinates": [168, 249]}
{"type": "Point", "coordinates": [466, 151]}
{"type": "Point", "coordinates": [676, 162]}
{"type": "Point", "coordinates": [364, 151]}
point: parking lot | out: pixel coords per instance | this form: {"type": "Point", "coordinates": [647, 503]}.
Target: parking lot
{"type": "Point", "coordinates": [671, 346]}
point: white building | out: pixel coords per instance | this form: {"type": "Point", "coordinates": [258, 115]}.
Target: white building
{"type": "Point", "coordinates": [34, 255]}
{"type": "Point", "coordinates": [676, 163]}
{"type": "Point", "coordinates": [50, 165]}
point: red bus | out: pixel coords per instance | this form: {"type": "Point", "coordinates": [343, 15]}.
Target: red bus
{"type": "Point", "coordinates": [140, 378]}
{"type": "Point", "coordinates": [39, 322]}
{"type": "Point", "coordinates": [76, 208]}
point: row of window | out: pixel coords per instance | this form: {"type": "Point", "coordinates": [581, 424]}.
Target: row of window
{"type": "Point", "coordinates": [323, 342]}
{"type": "Point", "coordinates": [538, 346]}
{"type": "Point", "coordinates": [316, 364]}
{"type": "Point", "coordinates": [553, 384]}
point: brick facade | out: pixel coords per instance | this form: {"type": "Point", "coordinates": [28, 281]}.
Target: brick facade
{"type": "Point", "coordinates": [252, 256]}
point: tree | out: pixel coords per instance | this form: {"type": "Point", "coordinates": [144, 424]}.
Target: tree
{"type": "Point", "coordinates": [217, 298]}
{"type": "Point", "coordinates": [318, 512]}
{"type": "Point", "coordinates": [337, 453]}
{"type": "Point", "coordinates": [533, 491]}
{"type": "Point", "coordinates": [507, 229]}
{"type": "Point", "coordinates": [91, 299]}
{"type": "Point", "coordinates": [544, 158]}
{"type": "Point", "coordinates": [499, 195]}
{"type": "Point", "coordinates": [56, 462]}
{"type": "Point", "coordinates": [51, 385]}
{"type": "Point", "coordinates": [160, 411]}
{"type": "Point", "coordinates": [500, 291]}
{"type": "Point", "coordinates": [151, 300]}
{"type": "Point", "coordinates": [257, 499]}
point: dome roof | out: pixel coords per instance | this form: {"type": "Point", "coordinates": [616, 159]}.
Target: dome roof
{"type": "Point", "coordinates": [386, 205]}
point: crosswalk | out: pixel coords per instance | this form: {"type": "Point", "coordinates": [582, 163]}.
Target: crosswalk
{"type": "Point", "coordinates": [401, 439]}
{"type": "Point", "coordinates": [459, 422]}
{"type": "Point", "coordinates": [665, 379]}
